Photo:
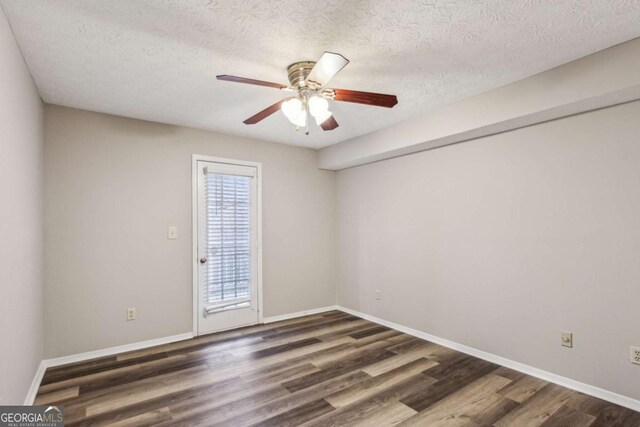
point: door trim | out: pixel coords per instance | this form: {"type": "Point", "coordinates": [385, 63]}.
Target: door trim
{"type": "Point", "coordinates": [194, 228]}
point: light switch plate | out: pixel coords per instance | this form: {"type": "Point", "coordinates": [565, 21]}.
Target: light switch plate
{"type": "Point", "coordinates": [566, 339]}
{"type": "Point", "coordinates": [172, 233]}
{"type": "Point", "coordinates": [635, 355]}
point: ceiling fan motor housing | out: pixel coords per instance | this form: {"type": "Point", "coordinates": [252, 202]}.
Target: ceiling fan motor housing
{"type": "Point", "coordinates": [298, 72]}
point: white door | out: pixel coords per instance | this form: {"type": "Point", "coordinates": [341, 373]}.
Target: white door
{"type": "Point", "coordinates": [227, 246]}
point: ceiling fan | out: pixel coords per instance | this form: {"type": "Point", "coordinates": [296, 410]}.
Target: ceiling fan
{"type": "Point", "coordinates": [308, 80]}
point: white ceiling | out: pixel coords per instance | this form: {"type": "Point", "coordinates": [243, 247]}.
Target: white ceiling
{"type": "Point", "coordinates": [157, 60]}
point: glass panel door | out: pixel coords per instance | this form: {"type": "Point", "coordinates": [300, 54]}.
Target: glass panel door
{"type": "Point", "coordinates": [227, 246]}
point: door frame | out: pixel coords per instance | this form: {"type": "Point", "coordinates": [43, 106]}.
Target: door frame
{"type": "Point", "coordinates": [194, 228]}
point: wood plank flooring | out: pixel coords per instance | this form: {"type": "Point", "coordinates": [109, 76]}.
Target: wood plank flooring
{"type": "Point", "coordinates": [330, 369]}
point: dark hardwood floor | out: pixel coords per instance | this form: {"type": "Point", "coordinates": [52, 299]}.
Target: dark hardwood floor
{"type": "Point", "coordinates": [331, 369]}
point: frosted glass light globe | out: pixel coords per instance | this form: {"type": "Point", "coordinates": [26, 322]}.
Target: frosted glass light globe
{"type": "Point", "coordinates": [322, 117]}
{"type": "Point", "coordinates": [317, 105]}
{"type": "Point", "coordinates": [291, 108]}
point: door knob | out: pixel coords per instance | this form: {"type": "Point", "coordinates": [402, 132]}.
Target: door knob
{"type": "Point", "coordinates": [203, 260]}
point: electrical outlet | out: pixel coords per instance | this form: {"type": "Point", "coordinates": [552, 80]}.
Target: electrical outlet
{"type": "Point", "coordinates": [172, 233]}
{"type": "Point", "coordinates": [566, 339]}
{"type": "Point", "coordinates": [635, 355]}
{"type": "Point", "coordinates": [378, 294]}
{"type": "Point", "coordinates": [131, 313]}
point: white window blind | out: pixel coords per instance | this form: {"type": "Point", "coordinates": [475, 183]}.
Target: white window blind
{"type": "Point", "coordinates": [228, 240]}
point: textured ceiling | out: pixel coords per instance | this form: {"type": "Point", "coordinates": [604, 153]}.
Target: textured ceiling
{"type": "Point", "coordinates": [157, 60]}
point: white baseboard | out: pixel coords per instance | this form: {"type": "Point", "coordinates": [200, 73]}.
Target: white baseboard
{"type": "Point", "coordinates": [35, 384]}
{"type": "Point", "coordinates": [529, 370]}
{"type": "Point", "coordinates": [600, 393]}
{"type": "Point", "coordinates": [80, 357]}
{"type": "Point", "coordinates": [288, 316]}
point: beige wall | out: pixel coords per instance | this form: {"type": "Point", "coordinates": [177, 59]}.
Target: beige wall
{"type": "Point", "coordinates": [503, 242]}
{"type": "Point", "coordinates": [114, 185]}
{"type": "Point", "coordinates": [20, 222]}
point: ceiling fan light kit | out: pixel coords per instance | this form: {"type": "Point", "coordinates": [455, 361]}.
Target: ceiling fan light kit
{"type": "Point", "coordinates": [308, 80]}
{"type": "Point", "coordinates": [294, 109]}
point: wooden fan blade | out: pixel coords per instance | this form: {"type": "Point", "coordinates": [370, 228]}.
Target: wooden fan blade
{"type": "Point", "coordinates": [236, 79]}
{"type": "Point", "coordinates": [329, 124]}
{"type": "Point", "coordinates": [264, 113]}
{"type": "Point", "coordinates": [327, 66]}
{"type": "Point", "coordinates": [369, 98]}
